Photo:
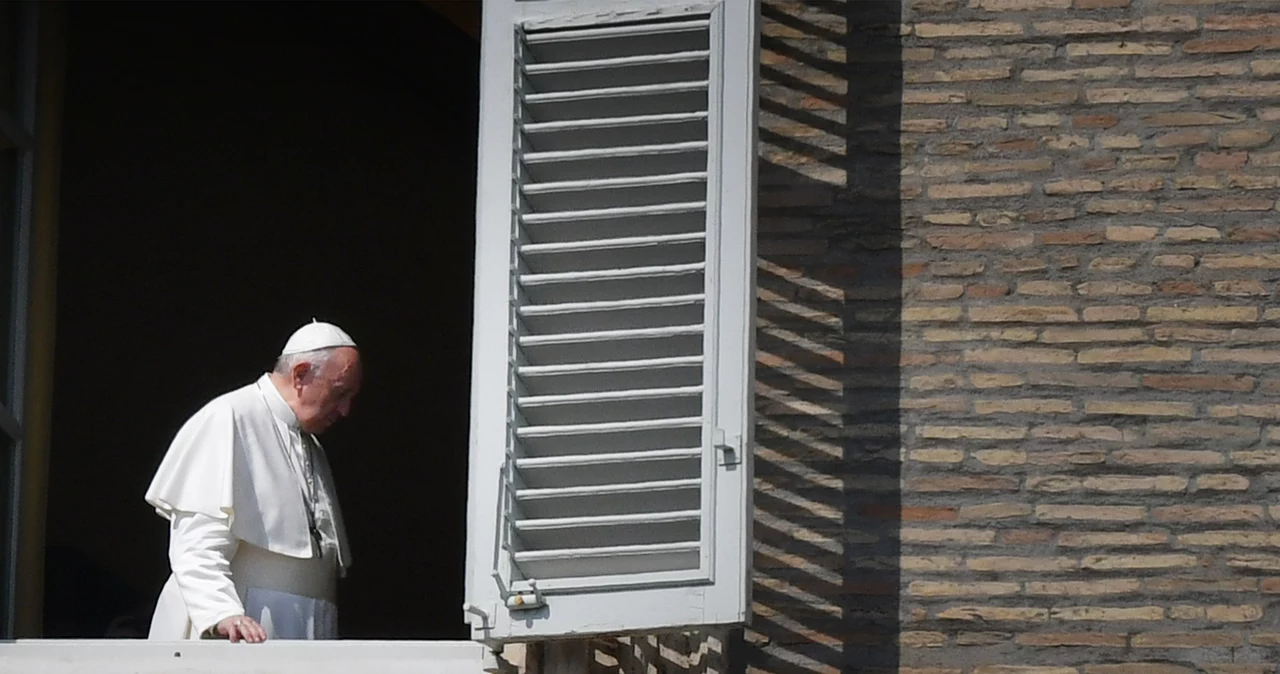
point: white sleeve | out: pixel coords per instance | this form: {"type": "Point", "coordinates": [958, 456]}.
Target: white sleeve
{"type": "Point", "coordinates": [200, 552]}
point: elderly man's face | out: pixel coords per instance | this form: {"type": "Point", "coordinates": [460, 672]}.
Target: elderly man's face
{"type": "Point", "coordinates": [327, 397]}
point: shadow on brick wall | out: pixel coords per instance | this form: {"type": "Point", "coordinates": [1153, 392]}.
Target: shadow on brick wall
{"type": "Point", "coordinates": [828, 505]}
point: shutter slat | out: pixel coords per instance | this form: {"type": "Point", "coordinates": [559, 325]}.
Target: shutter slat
{"type": "Point", "coordinates": [596, 64]}
{"type": "Point", "coordinates": [615, 92]}
{"type": "Point", "coordinates": [611, 244]}
{"type": "Point", "coordinates": [632, 30]}
{"type": "Point", "coordinates": [608, 489]}
{"type": "Point", "coordinates": [563, 430]}
{"type": "Point", "coordinates": [612, 274]}
{"type": "Point", "coordinates": [552, 523]}
{"type": "Point", "coordinates": [622, 151]}
{"type": "Point", "coordinates": [574, 460]}
{"type": "Point", "coordinates": [614, 122]}
{"type": "Point", "coordinates": [609, 335]}
{"type": "Point", "coordinates": [635, 394]}
{"type": "Point", "coordinates": [610, 305]}
{"type": "Point", "coordinates": [608, 213]}
{"type": "Point", "coordinates": [611, 551]}
{"type": "Point", "coordinates": [609, 366]}
{"type": "Point", "coordinates": [616, 183]}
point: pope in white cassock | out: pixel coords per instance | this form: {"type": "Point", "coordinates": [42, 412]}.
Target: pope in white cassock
{"type": "Point", "coordinates": [256, 541]}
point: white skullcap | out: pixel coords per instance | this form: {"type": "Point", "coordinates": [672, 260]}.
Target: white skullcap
{"type": "Point", "coordinates": [316, 335]}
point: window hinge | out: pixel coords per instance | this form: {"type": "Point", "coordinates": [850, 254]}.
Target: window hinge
{"type": "Point", "coordinates": [520, 600]}
{"type": "Point", "coordinates": [727, 447]}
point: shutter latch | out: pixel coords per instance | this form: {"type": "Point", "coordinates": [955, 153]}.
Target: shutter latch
{"type": "Point", "coordinates": [729, 455]}
{"type": "Point", "coordinates": [519, 600]}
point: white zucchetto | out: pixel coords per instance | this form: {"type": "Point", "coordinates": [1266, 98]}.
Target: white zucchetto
{"type": "Point", "coordinates": [316, 335]}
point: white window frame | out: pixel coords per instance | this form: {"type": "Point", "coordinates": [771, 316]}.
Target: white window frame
{"type": "Point", "coordinates": [725, 600]}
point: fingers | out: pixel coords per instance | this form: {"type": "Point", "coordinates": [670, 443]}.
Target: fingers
{"type": "Point", "coordinates": [243, 628]}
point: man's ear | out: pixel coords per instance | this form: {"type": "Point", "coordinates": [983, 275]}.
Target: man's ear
{"type": "Point", "coordinates": [301, 372]}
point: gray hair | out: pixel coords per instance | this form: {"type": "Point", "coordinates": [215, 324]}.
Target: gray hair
{"type": "Point", "coordinates": [317, 359]}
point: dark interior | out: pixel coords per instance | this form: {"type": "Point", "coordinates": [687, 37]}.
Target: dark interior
{"type": "Point", "coordinates": [231, 170]}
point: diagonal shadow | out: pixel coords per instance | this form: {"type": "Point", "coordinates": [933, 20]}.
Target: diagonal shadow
{"type": "Point", "coordinates": [828, 506]}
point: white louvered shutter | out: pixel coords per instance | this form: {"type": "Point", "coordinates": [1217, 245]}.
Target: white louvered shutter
{"type": "Point", "coordinates": [611, 425]}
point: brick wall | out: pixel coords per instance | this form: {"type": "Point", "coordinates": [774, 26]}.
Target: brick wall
{"type": "Point", "coordinates": [1019, 363]}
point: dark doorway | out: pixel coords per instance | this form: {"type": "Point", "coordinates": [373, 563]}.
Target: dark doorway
{"type": "Point", "coordinates": [231, 170]}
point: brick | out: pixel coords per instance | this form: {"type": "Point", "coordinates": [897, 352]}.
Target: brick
{"type": "Point", "coordinates": [1236, 261]}
{"type": "Point", "coordinates": [1200, 431]}
{"type": "Point", "coordinates": [1218, 204]}
{"type": "Point", "coordinates": [1083, 49]}
{"type": "Point", "coordinates": [1111, 95]}
{"type": "Point", "coordinates": [1113, 288]}
{"type": "Point", "coordinates": [1081, 335]}
{"type": "Point", "coordinates": [1232, 45]}
{"type": "Point", "coordinates": [1150, 162]}
{"type": "Point", "coordinates": [936, 455]}
{"type": "Point", "coordinates": [1009, 335]}
{"type": "Point", "coordinates": [1199, 382]}
{"type": "Point", "coordinates": [931, 563]}
{"type": "Point", "coordinates": [1022, 669]}
{"type": "Point", "coordinates": [1221, 161]}
{"type": "Point", "coordinates": [981, 241]}
{"type": "Point", "coordinates": [1249, 356]}
{"type": "Point", "coordinates": [1112, 264]}
{"type": "Point", "coordinates": [1025, 536]}
{"type": "Point", "coordinates": [982, 638]}
{"type": "Point", "coordinates": [1082, 74]}
{"type": "Point", "coordinates": [947, 536]}
{"type": "Point", "coordinates": [1186, 513]}
{"type": "Point", "coordinates": [1084, 588]}
{"type": "Point", "coordinates": [1150, 23]}
{"type": "Point", "coordinates": [1187, 640]}
{"type": "Point", "coordinates": [1078, 433]}
{"type": "Point", "coordinates": [1193, 118]}
{"type": "Point", "coordinates": [1204, 314]}
{"type": "Point", "coordinates": [982, 123]}
{"type": "Point", "coordinates": [1240, 288]}
{"type": "Point", "coordinates": [1118, 562]}
{"type": "Point", "coordinates": [1111, 314]}
{"type": "Point", "coordinates": [999, 564]}
{"type": "Point", "coordinates": [1127, 483]}
{"type": "Point", "coordinates": [1265, 68]}
{"type": "Point", "coordinates": [1072, 186]}
{"type": "Point", "coordinates": [956, 75]}
{"type": "Point", "coordinates": [1180, 70]}
{"type": "Point", "coordinates": [994, 511]}
{"type": "Point", "coordinates": [1058, 639]}
{"type": "Point", "coordinates": [1120, 142]}
{"type": "Point", "coordinates": [1110, 539]}
{"type": "Point", "coordinates": [1098, 613]}
{"type": "Point", "coordinates": [1193, 233]}
{"type": "Point", "coordinates": [1024, 406]}
{"type": "Point", "coordinates": [1040, 120]}
{"type": "Point", "coordinates": [1023, 314]}
{"type": "Point", "coordinates": [978, 190]}
{"type": "Point", "coordinates": [924, 314]}
{"type": "Point", "coordinates": [1239, 91]}
{"type": "Point", "coordinates": [961, 483]}
{"type": "Point", "coordinates": [984, 380]}
{"type": "Point", "coordinates": [1026, 99]}
{"type": "Point", "coordinates": [1246, 539]}
{"type": "Point", "coordinates": [1222, 482]}
{"type": "Point", "coordinates": [1175, 585]}
{"type": "Point", "coordinates": [917, 639]}
{"type": "Point", "coordinates": [1093, 513]}
{"type": "Point", "coordinates": [939, 291]}
{"type": "Point", "coordinates": [1044, 288]}
{"type": "Point", "coordinates": [994, 356]}
{"type": "Point", "coordinates": [1021, 265]}
{"type": "Point", "coordinates": [1140, 408]}
{"type": "Point", "coordinates": [1184, 138]}
{"type": "Point", "coordinates": [1094, 121]}
{"type": "Point", "coordinates": [1265, 457]}
{"type": "Point", "coordinates": [1246, 138]}
{"type": "Point", "coordinates": [1136, 354]}
{"type": "Point", "coordinates": [1070, 238]}
{"type": "Point", "coordinates": [1131, 233]}
{"type": "Point", "coordinates": [969, 29]}
{"type": "Point", "coordinates": [924, 588]}
{"type": "Point", "coordinates": [1018, 5]}
{"type": "Point", "coordinates": [994, 614]}
{"type": "Point", "coordinates": [1242, 22]}
{"type": "Point", "coordinates": [924, 125]}
{"type": "Point", "coordinates": [1267, 159]}
{"type": "Point", "coordinates": [972, 432]}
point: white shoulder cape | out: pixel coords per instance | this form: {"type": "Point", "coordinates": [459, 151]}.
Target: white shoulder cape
{"type": "Point", "coordinates": [227, 462]}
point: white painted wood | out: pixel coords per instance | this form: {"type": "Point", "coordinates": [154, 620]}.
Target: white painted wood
{"type": "Point", "coordinates": [613, 348]}
{"type": "Point", "coordinates": [137, 656]}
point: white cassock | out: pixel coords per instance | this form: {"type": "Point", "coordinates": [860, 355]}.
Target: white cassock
{"type": "Point", "coordinates": [236, 485]}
